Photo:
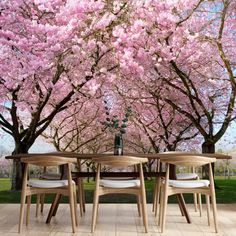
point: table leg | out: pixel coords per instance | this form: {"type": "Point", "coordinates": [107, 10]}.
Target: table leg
{"type": "Point", "coordinates": [54, 207]}
{"type": "Point", "coordinates": [57, 205]}
{"type": "Point", "coordinates": [182, 207]}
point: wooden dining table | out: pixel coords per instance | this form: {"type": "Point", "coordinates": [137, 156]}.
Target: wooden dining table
{"type": "Point", "coordinates": [87, 157]}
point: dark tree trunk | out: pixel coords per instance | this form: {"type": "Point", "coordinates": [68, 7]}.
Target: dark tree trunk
{"type": "Point", "coordinates": [207, 147]}
{"type": "Point", "coordinates": [16, 183]}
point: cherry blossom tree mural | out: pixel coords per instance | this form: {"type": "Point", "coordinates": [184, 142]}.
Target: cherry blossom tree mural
{"type": "Point", "coordinates": [58, 54]}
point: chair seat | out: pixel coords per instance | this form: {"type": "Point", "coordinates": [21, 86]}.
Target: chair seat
{"type": "Point", "coordinates": [186, 176]}
{"type": "Point", "coordinates": [189, 183]}
{"type": "Point", "coordinates": [119, 183]}
{"type": "Point", "coordinates": [48, 183]}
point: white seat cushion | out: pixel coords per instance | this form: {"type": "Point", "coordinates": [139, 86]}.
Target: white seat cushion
{"type": "Point", "coordinates": [48, 183]}
{"type": "Point", "coordinates": [189, 183]}
{"type": "Point", "coordinates": [186, 176]}
{"type": "Point", "coordinates": [120, 183]}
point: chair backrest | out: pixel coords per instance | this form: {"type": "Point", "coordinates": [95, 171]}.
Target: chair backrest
{"type": "Point", "coordinates": [177, 154]}
{"type": "Point", "coordinates": [189, 160]}
{"type": "Point", "coordinates": [119, 161]}
{"type": "Point", "coordinates": [48, 160]}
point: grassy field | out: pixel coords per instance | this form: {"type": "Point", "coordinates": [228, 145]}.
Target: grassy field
{"type": "Point", "coordinates": [225, 193]}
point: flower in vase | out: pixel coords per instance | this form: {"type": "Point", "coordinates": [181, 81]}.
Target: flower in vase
{"type": "Point", "coordinates": [114, 124]}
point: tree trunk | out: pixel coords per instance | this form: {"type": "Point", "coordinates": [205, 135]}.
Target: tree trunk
{"type": "Point", "coordinates": [16, 182]}
{"type": "Point", "coordinates": [207, 147]}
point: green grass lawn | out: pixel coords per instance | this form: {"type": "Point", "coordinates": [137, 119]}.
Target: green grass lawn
{"type": "Point", "coordinates": [225, 193]}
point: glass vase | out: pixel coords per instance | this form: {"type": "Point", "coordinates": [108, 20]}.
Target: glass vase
{"type": "Point", "coordinates": [118, 144]}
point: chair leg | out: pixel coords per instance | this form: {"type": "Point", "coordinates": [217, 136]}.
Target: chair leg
{"type": "Point", "coordinates": [22, 209]}
{"type": "Point", "coordinates": [213, 197]}
{"type": "Point", "coordinates": [139, 205]}
{"type": "Point", "coordinates": [163, 221]}
{"type": "Point", "coordinates": [208, 208]}
{"type": "Point", "coordinates": [200, 203]}
{"type": "Point", "coordinates": [195, 201]}
{"type": "Point", "coordinates": [161, 206]}
{"type": "Point", "coordinates": [28, 209]}
{"type": "Point", "coordinates": [157, 194]}
{"type": "Point", "coordinates": [42, 202]}
{"type": "Point", "coordinates": [75, 205]}
{"type": "Point", "coordinates": [95, 210]}
{"type": "Point", "coordinates": [213, 200]}
{"type": "Point", "coordinates": [143, 199]}
{"type": "Point", "coordinates": [72, 208]}
{"type": "Point", "coordinates": [83, 194]}
{"type": "Point", "coordinates": [80, 197]}
{"type": "Point", "coordinates": [144, 211]}
{"type": "Point", "coordinates": [154, 196]}
{"type": "Point", "coordinates": [37, 204]}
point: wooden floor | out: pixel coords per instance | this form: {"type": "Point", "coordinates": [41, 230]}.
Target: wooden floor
{"type": "Point", "coordinates": [117, 220]}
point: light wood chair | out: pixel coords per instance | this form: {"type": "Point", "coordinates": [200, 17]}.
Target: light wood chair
{"type": "Point", "coordinates": [205, 187]}
{"type": "Point", "coordinates": [180, 176]}
{"type": "Point", "coordinates": [57, 176]}
{"type": "Point", "coordinates": [32, 186]}
{"type": "Point", "coordinates": [131, 186]}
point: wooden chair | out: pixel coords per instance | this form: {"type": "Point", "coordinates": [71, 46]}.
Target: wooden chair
{"type": "Point", "coordinates": [170, 187]}
{"type": "Point", "coordinates": [31, 186]}
{"type": "Point", "coordinates": [134, 186]}
{"type": "Point", "coordinates": [180, 176]}
{"type": "Point", "coordinates": [57, 176]}
{"type": "Point", "coordinates": [79, 182]}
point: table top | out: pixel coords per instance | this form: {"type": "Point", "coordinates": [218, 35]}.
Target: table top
{"type": "Point", "coordinates": [144, 155]}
